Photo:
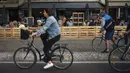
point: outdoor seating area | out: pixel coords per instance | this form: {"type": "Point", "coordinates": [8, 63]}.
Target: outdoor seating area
{"type": "Point", "coordinates": [84, 32]}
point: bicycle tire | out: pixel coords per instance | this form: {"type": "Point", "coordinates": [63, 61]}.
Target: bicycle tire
{"type": "Point", "coordinates": [19, 54]}
{"type": "Point", "coordinates": [116, 62]}
{"type": "Point", "coordinates": [121, 44]}
{"type": "Point", "coordinates": [60, 58]}
{"type": "Point", "coordinates": [98, 44]}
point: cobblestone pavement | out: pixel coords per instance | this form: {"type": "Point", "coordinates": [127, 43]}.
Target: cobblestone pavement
{"type": "Point", "coordinates": [78, 56]}
{"type": "Point", "coordinates": [81, 48]}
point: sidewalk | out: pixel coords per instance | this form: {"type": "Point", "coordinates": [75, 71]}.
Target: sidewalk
{"type": "Point", "coordinates": [81, 49]}
{"type": "Point", "coordinates": [78, 56]}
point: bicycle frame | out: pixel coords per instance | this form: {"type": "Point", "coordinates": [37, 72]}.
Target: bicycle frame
{"type": "Point", "coordinates": [31, 45]}
{"type": "Point", "coordinates": [127, 48]}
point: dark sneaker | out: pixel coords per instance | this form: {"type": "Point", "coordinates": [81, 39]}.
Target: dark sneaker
{"type": "Point", "coordinates": [105, 51]}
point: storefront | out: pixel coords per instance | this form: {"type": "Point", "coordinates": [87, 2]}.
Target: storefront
{"type": "Point", "coordinates": [119, 13]}
{"type": "Point", "coordinates": [64, 9]}
{"type": "Point", "coordinates": [119, 10]}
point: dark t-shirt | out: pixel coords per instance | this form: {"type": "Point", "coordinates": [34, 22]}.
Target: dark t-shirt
{"type": "Point", "coordinates": [128, 27]}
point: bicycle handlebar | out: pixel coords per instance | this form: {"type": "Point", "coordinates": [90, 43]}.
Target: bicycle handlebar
{"type": "Point", "coordinates": [26, 34]}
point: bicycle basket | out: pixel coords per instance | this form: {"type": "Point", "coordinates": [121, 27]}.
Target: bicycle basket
{"type": "Point", "coordinates": [24, 34]}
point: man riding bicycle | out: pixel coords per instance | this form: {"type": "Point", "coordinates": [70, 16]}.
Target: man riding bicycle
{"type": "Point", "coordinates": [50, 34]}
{"type": "Point", "coordinates": [108, 26]}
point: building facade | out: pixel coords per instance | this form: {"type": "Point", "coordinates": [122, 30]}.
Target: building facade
{"type": "Point", "coordinates": [8, 10]}
{"type": "Point", "coordinates": [16, 9]}
{"type": "Point", "coordinates": [87, 8]}
{"type": "Point", "coordinates": [120, 9]}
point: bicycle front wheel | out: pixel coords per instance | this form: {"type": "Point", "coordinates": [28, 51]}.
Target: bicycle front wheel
{"type": "Point", "coordinates": [121, 44]}
{"type": "Point", "coordinates": [24, 57]}
{"type": "Point", "coordinates": [98, 44]}
{"type": "Point", "coordinates": [62, 57]}
{"type": "Point", "coordinates": [117, 63]}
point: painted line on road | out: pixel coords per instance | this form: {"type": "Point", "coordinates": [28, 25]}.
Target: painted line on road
{"type": "Point", "coordinates": [65, 62]}
{"type": "Point", "coordinates": [39, 62]}
{"type": "Point", "coordinates": [90, 62]}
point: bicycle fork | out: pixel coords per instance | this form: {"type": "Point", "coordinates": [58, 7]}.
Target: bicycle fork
{"type": "Point", "coordinates": [125, 53]}
{"type": "Point", "coordinates": [27, 53]}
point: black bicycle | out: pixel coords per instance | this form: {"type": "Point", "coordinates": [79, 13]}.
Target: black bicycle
{"type": "Point", "coordinates": [120, 60]}
{"type": "Point", "coordinates": [26, 57]}
{"type": "Point", "coordinates": [98, 43]}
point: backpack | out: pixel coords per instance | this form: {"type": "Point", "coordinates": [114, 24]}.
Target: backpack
{"type": "Point", "coordinates": [109, 26]}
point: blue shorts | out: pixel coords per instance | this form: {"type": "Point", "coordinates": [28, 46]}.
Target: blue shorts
{"type": "Point", "coordinates": [109, 35]}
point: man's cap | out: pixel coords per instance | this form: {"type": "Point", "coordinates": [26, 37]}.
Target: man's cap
{"type": "Point", "coordinates": [101, 14]}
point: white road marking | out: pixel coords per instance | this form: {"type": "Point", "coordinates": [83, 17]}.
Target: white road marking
{"type": "Point", "coordinates": [65, 62]}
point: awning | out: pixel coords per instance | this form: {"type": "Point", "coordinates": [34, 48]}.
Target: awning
{"type": "Point", "coordinates": [42, 5]}
{"type": "Point", "coordinates": [95, 5]}
{"type": "Point", "coordinates": [38, 5]}
{"type": "Point", "coordinates": [71, 5]}
{"type": "Point", "coordinates": [56, 5]}
{"type": "Point", "coordinates": [63, 5]}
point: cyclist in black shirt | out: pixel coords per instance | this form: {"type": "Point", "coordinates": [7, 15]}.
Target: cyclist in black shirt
{"type": "Point", "coordinates": [126, 34]}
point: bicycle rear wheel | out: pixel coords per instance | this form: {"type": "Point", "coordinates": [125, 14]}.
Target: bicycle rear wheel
{"type": "Point", "coordinates": [24, 57]}
{"type": "Point", "coordinates": [62, 57]}
{"type": "Point", "coordinates": [98, 44]}
{"type": "Point", "coordinates": [117, 63]}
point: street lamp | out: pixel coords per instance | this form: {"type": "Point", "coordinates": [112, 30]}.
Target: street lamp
{"type": "Point", "coordinates": [29, 8]}
{"type": "Point", "coordinates": [126, 12]}
{"type": "Point", "coordinates": [3, 11]}
{"type": "Point", "coordinates": [107, 6]}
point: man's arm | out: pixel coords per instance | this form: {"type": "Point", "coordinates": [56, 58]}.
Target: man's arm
{"type": "Point", "coordinates": [102, 23]}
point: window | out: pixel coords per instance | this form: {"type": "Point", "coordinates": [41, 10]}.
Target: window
{"type": "Point", "coordinates": [3, 0]}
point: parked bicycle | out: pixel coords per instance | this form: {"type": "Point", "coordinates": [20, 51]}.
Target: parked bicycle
{"type": "Point", "coordinates": [120, 60]}
{"type": "Point", "coordinates": [26, 57]}
{"type": "Point", "coordinates": [98, 43]}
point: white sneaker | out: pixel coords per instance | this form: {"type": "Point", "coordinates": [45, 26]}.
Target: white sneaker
{"type": "Point", "coordinates": [48, 65]}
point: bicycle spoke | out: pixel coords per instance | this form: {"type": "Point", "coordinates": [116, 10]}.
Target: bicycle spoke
{"type": "Point", "coordinates": [60, 51]}
{"type": "Point", "coordinates": [98, 44]}
{"type": "Point", "coordinates": [62, 61]}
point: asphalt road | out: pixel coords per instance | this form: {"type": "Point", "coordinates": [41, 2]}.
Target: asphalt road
{"type": "Point", "coordinates": [76, 45]}
{"type": "Point", "coordinates": [75, 68]}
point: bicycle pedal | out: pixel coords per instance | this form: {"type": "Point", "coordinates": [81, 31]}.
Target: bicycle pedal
{"type": "Point", "coordinates": [45, 59]}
